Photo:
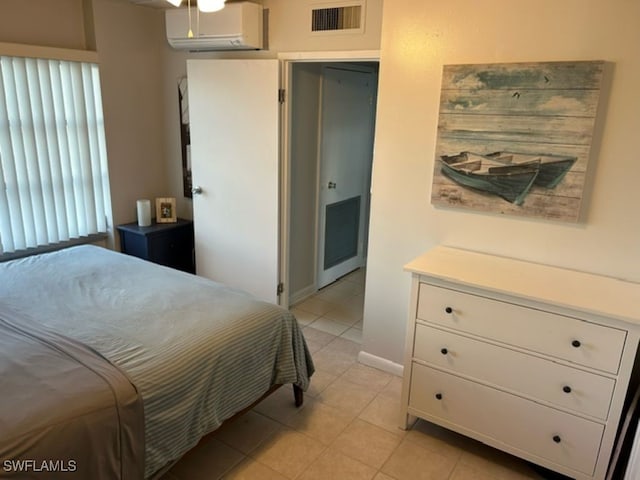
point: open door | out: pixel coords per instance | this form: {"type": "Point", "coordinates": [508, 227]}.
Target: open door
{"type": "Point", "coordinates": [234, 122]}
{"type": "Point", "coordinates": [346, 152]}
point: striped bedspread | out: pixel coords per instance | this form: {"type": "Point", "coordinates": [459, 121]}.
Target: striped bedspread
{"type": "Point", "coordinates": [197, 351]}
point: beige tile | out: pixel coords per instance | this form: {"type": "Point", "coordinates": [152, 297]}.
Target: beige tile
{"type": "Point", "coordinates": [366, 443]}
{"type": "Point", "coordinates": [252, 470]}
{"type": "Point", "coordinates": [280, 405]}
{"type": "Point", "coordinates": [303, 317]}
{"type": "Point", "coordinates": [288, 452]}
{"type": "Point", "coordinates": [357, 276]}
{"type": "Point", "coordinates": [314, 346]}
{"type": "Point", "coordinates": [334, 465]}
{"type": "Point", "coordinates": [315, 305]}
{"type": "Point", "coordinates": [342, 345]}
{"type": "Point", "coordinates": [366, 376]}
{"type": "Point", "coordinates": [317, 336]}
{"type": "Point", "coordinates": [444, 443]}
{"type": "Point", "coordinates": [393, 388]}
{"type": "Point", "coordinates": [384, 411]}
{"type": "Point", "coordinates": [353, 334]}
{"type": "Point", "coordinates": [247, 432]}
{"type": "Point", "coordinates": [345, 315]}
{"type": "Point", "coordinates": [466, 472]}
{"type": "Point", "coordinates": [502, 466]}
{"type": "Point", "coordinates": [382, 476]}
{"type": "Point", "coordinates": [320, 421]}
{"type": "Point", "coordinates": [210, 459]}
{"type": "Point", "coordinates": [319, 381]}
{"type": "Point", "coordinates": [339, 292]}
{"type": "Point", "coordinates": [334, 363]}
{"type": "Point", "coordinates": [329, 326]}
{"type": "Point", "coordinates": [347, 397]}
{"type": "Point", "coordinates": [412, 462]}
{"type": "Point", "coordinates": [355, 304]}
{"type": "Point", "coordinates": [316, 339]}
{"type": "Point", "coordinates": [333, 295]}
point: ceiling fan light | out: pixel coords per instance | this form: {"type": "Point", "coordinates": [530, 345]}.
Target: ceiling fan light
{"type": "Point", "coordinates": [175, 3]}
{"type": "Point", "coordinates": [210, 5]}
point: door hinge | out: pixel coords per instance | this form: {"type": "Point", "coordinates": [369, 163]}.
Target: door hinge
{"type": "Point", "coordinates": [281, 95]}
{"type": "Point", "coordinates": [280, 289]}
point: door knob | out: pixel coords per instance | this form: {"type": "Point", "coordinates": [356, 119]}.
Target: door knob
{"type": "Point", "coordinates": [331, 185]}
{"type": "Point", "coordinates": [196, 190]}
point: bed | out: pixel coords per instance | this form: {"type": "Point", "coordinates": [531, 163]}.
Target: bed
{"type": "Point", "coordinates": [112, 367]}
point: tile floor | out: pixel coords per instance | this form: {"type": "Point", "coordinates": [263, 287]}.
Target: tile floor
{"type": "Point", "coordinates": [347, 428]}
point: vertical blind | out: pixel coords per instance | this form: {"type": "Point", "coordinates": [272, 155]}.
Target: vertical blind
{"type": "Point", "coordinates": [54, 182]}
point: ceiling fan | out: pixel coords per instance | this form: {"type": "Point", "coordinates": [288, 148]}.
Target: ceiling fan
{"type": "Point", "coordinates": [203, 5]}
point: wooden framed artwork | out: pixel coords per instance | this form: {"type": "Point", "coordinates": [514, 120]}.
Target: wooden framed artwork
{"type": "Point", "coordinates": [515, 138]}
{"type": "Point", "coordinates": [185, 136]}
{"type": "Point", "coordinates": [166, 210]}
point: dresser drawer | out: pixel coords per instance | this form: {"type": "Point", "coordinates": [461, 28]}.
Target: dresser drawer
{"type": "Point", "coordinates": [507, 419]}
{"type": "Point", "coordinates": [567, 387]}
{"type": "Point", "coordinates": [563, 337]}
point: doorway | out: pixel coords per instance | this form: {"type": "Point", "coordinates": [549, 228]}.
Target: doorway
{"type": "Point", "coordinates": [331, 129]}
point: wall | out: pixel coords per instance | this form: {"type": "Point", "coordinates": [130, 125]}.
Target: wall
{"type": "Point", "coordinates": [128, 42]}
{"type": "Point", "coordinates": [43, 22]}
{"type": "Point", "coordinates": [418, 38]}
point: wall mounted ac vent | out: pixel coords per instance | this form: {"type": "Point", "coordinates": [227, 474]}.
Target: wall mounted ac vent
{"type": "Point", "coordinates": [343, 17]}
{"type": "Point", "coordinates": [238, 26]}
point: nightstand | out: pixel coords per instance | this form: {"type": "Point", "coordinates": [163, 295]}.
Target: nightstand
{"type": "Point", "coordinates": [169, 244]}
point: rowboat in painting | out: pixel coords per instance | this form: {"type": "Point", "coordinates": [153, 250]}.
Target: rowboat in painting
{"type": "Point", "coordinates": [553, 168]}
{"type": "Point", "coordinates": [509, 181]}
{"type": "Point", "coordinates": [507, 174]}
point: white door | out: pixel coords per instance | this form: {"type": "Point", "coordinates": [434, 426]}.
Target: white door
{"type": "Point", "coordinates": [346, 150]}
{"type": "Point", "coordinates": [234, 127]}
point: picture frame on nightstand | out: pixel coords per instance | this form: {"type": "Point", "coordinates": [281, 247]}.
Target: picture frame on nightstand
{"type": "Point", "coordinates": [166, 210]}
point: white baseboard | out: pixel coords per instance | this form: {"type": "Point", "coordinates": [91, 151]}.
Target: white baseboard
{"type": "Point", "coordinates": [380, 363]}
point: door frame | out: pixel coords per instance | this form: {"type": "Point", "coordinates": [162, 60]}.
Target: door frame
{"type": "Point", "coordinates": [287, 59]}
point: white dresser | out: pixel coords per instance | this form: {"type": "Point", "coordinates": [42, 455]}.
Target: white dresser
{"type": "Point", "coordinates": [531, 359]}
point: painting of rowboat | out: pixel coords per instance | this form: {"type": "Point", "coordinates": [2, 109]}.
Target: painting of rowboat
{"type": "Point", "coordinates": [516, 138]}
{"type": "Point", "coordinates": [506, 174]}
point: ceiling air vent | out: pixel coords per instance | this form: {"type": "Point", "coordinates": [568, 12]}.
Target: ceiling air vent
{"type": "Point", "coordinates": [345, 17]}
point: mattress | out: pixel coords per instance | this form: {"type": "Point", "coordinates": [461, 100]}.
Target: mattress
{"type": "Point", "coordinates": [195, 350]}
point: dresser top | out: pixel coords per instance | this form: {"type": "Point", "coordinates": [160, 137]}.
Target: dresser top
{"type": "Point", "coordinates": [585, 292]}
{"type": "Point", "coordinates": [154, 227]}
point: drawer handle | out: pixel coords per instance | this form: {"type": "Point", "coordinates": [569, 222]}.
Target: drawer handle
{"type": "Point", "coordinates": [576, 343]}
{"type": "Point", "coordinates": [444, 351]}
{"type": "Point", "coordinates": [566, 389]}
{"type": "Point", "coordinates": [557, 439]}
{"type": "Point", "coordinates": [449, 310]}
{"type": "Point", "coordinates": [439, 396]}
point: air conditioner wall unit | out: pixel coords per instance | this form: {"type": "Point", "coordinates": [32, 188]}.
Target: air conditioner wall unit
{"type": "Point", "coordinates": [238, 26]}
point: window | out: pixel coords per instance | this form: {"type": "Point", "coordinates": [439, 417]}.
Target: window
{"type": "Point", "coordinates": [54, 184]}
